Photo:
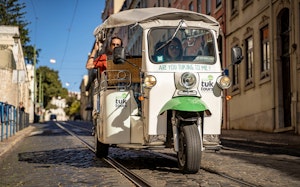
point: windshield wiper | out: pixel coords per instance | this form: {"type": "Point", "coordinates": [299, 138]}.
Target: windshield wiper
{"type": "Point", "coordinates": [173, 36]}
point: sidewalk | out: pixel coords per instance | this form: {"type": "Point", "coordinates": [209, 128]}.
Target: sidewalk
{"type": "Point", "coordinates": [285, 138]}
{"type": "Point", "coordinates": [10, 142]}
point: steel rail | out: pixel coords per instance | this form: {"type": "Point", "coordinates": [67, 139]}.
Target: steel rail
{"type": "Point", "coordinates": [82, 128]}
{"type": "Point", "coordinates": [134, 178]}
{"type": "Point", "coordinates": [137, 180]}
{"type": "Point", "coordinates": [229, 177]}
{"type": "Point", "coordinates": [239, 181]}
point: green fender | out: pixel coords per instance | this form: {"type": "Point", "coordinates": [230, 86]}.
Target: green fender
{"type": "Point", "coordinates": [189, 104]}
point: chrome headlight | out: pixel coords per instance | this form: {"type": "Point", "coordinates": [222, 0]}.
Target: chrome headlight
{"type": "Point", "coordinates": [188, 80]}
{"type": "Point", "coordinates": [224, 82]}
{"type": "Point", "coordinates": [149, 81]}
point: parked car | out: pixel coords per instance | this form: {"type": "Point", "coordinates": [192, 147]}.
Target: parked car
{"type": "Point", "coordinates": [77, 117]}
{"type": "Point", "coordinates": [53, 117]}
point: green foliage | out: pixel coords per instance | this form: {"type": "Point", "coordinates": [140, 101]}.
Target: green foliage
{"type": "Point", "coordinates": [74, 105]}
{"type": "Point", "coordinates": [29, 52]}
{"type": "Point", "coordinates": [51, 85]}
{"type": "Point", "coordinates": [74, 108]}
{"type": "Point", "coordinates": [11, 14]}
{"type": "Point", "coordinates": [51, 106]}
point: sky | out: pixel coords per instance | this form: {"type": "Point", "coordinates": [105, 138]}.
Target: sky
{"type": "Point", "coordinates": [63, 30]}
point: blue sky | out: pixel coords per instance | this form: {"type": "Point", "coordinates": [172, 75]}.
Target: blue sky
{"type": "Point", "coordinates": [63, 30]}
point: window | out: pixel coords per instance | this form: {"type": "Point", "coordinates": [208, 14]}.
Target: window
{"type": "Point", "coordinates": [265, 52]}
{"type": "Point", "coordinates": [199, 5]}
{"type": "Point", "coordinates": [247, 3]}
{"type": "Point", "coordinates": [197, 46]}
{"type": "Point", "coordinates": [218, 3]}
{"type": "Point", "coordinates": [249, 61]}
{"type": "Point", "coordinates": [235, 78]}
{"type": "Point", "coordinates": [208, 6]}
{"type": "Point", "coordinates": [234, 7]}
{"type": "Point", "coordinates": [191, 6]}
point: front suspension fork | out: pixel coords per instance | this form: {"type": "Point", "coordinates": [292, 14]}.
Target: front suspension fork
{"type": "Point", "coordinates": [176, 125]}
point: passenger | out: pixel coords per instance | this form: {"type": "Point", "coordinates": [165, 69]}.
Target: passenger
{"type": "Point", "coordinates": [100, 62]}
{"type": "Point", "coordinates": [96, 61]}
{"type": "Point", "coordinates": [173, 51]}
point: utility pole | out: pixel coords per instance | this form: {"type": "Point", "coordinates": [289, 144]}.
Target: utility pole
{"type": "Point", "coordinates": [40, 89]}
{"type": "Point", "coordinates": [34, 85]}
{"type": "Point", "coordinates": [41, 105]}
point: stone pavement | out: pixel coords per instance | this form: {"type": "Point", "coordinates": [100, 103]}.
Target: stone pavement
{"type": "Point", "coordinates": [289, 139]}
{"type": "Point", "coordinates": [284, 139]}
{"type": "Point", "coordinates": [10, 142]}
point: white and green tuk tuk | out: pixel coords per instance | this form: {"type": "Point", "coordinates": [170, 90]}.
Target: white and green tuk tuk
{"type": "Point", "coordinates": [147, 98]}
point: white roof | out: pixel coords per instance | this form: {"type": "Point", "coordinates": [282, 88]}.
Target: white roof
{"type": "Point", "coordinates": [143, 15]}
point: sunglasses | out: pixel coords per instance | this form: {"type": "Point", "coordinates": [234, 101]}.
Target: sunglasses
{"type": "Point", "coordinates": [174, 47]}
{"type": "Point", "coordinates": [114, 44]}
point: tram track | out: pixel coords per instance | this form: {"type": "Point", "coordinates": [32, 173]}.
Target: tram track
{"type": "Point", "coordinates": [134, 178]}
{"type": "Point", "coordinates": [224, 175]}
{"type": "Point", "coordinates": [75, 126]}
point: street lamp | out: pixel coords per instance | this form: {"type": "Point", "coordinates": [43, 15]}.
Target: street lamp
{"type": "Point", "coordinates": [16, 38]}
{"type": "Point", "coordinates": [52, 61]}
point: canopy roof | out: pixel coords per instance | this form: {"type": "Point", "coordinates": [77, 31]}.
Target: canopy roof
{"type": "Point", "coordinates": [143, 15]}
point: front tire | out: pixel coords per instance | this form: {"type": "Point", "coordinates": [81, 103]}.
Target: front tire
{"type": "Point", "coordinates": [101, 149]}
{"type": "Point", "coordinates": [189, 153]}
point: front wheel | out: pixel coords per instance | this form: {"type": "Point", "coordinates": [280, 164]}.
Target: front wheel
{"type": "Point", "coordinates": [189, 153]}
{"type": "Point", "coordinates": [101, 149]}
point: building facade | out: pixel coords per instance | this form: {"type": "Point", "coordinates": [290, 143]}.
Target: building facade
{"type": "Point", "coordinates": [16, 78]}
{"type": "Point", "coordinates": [59, 112]}
{"type": "Point", "coordinates": [265, 91]}
{"type": "Point", "coordinates": [85, 101]}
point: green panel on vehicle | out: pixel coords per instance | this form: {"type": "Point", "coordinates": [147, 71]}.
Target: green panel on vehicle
{"type": "Point", "coordinates": [189, 104]}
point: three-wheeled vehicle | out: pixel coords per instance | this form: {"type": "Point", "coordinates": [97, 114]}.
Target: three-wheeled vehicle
{"type": "Point", "coordinates": [165, 89]}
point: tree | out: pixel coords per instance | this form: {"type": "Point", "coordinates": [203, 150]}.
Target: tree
{"type": "Point", "coordinates": [11, 14]}
{"type": "Point", "coordinates": [74, 106]}
{"type": "Point", "coordinates": [51, 85]}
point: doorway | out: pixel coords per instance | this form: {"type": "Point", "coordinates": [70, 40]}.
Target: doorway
{"type": "Point", "coordinates": [285, 82]}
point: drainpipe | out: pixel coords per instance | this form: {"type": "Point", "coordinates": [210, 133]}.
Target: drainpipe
{"type": "Point", "coordinates": [273, 67]}
{"type": "Point", "coordinates": [294, 50]}
{"type": "Point", "coordinates": [224, 64]}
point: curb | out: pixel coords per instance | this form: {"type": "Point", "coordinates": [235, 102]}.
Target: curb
{"type": "Point", "coordinates": [254, 141]}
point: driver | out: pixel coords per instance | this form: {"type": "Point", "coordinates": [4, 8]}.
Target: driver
{"type": "Point", "coordinates": [173, 51]}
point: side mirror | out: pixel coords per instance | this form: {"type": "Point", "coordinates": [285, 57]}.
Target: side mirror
{"type": "Point", "coordinates": [236, 55]}
{"type": "Point", "coordinates": [119, 55]}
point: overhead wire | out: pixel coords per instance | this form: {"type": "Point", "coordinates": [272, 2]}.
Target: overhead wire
{"type": "Point", "coordinates": [69, 32]}
{"type": "Point", "coordinates": [36, 19]}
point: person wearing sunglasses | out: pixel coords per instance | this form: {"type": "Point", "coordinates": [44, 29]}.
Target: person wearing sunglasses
{"type": "Point", "coordinates": [173, 51]}
{"type": "Point", "coordinates": [99, 61]}
{"type": "Point", "coordinates": [96, 61]}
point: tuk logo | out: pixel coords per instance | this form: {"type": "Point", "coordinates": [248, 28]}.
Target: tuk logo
{"type": "Point", "coordinates": [207, 84]}
{"type": "Point", "coordinates": [120, 101]}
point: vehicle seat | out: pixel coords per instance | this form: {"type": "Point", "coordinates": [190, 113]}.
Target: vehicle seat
{"type": "Point", "coordinates": [116, 71]}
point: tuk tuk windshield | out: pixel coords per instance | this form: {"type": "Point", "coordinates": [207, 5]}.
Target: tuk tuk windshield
{"type": "Point", "coordinates": [183, 45]}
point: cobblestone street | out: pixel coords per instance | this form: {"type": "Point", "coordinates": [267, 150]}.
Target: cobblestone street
{"type": "Point", "coordinates": [48, 156]}
{"type": "Point", "coordinates": [162, 93]}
